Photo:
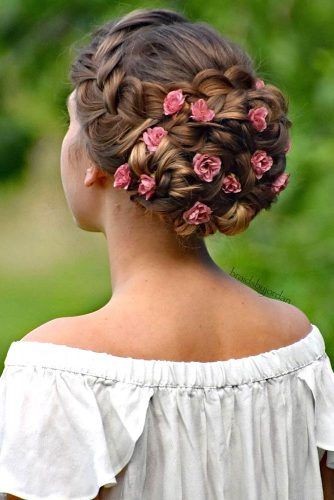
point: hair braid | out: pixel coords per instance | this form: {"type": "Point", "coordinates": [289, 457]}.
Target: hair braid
{"type": "Point", "coordinates": [122, 79]}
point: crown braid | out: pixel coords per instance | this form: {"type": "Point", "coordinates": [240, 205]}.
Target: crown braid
{"type": "Point", "coordinates": [122, 81]}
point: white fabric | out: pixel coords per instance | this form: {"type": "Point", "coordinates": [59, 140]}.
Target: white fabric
{"type": "Point", "coordinates": [253, 428]}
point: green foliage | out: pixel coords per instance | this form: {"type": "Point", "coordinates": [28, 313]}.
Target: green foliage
{"type": "Point", "coordinates": [15, 141]}
{"type": "Point", "coordinates": [289, 247]}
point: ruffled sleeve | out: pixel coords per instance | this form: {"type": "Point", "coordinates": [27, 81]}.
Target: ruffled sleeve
{"type": "Point", "coordinates": [319, 378]}
{"type": "Point", "coordinates": [65, 435]}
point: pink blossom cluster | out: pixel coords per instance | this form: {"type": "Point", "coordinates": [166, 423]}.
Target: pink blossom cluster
{"type": "Point", "coordinates": [206, 166]}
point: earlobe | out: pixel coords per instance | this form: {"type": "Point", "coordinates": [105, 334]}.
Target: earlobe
{"type": "Point", "coordinates": [89, 177]}
{"type": "Point", "coordinates": [92, 174]}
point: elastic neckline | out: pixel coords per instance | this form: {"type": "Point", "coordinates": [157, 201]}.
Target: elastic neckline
{"type": "Point", "coordinates": [161, 372]}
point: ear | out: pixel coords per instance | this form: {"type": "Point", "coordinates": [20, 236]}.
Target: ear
{"type": "Point", "coordinates": [93, 174]}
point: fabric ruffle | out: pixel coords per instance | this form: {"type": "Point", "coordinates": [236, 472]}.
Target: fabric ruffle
{"type": "Point", "coordinates": [64, 435]}
{"type": "Point", "coordinates": [319, 377]}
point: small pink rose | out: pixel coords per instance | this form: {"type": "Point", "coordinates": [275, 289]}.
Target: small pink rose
{"type": "Point", "coordinates": [261, 162]}
{"type": "Point", "coordinates": [197, 214]}
{"type": "Point", "coordinates": [280, 183]}
{"type": "Point", "coordinates": [147, 186]}
{"type": "Point", "coordinates": [259, 84]}
{"type": "Point", "coordinates": [206, 166]}
{"type": "Point", "coordinates": [173, 102]}
{"type": "Point", "coordinates": [201, 112]}
{"type": "Point", "coordinates": [231, 184]}
{"type": "Point", "coordinates": [258, 118]}
{"type": "Point", "coordinates": [153, 136]}
{"type": "Point", "coordinates": [122, 176]}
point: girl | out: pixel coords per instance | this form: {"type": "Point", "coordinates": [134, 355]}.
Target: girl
{"type": "Point", "coordinates": [187, 384]}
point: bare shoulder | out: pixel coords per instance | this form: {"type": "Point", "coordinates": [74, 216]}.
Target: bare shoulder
{"type": "Point", "coordinates": [56, 330]}
{"type": "Point", "coordinates": [295, 325]}
{"type": "Point", "coordinates": [81, 331]}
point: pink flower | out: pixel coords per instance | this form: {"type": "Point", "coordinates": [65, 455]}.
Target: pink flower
{"type": "Point", "coordinates": [197, 214]}
{"type": "Point", "coordinates": [231, 184]}
{"type": "Point", "coordinates": [258, 118]}
{"type": "Point", "coordinates": [261, 162]}
{"type": "Point", "coordinates": [122, 176]}
{"type": "Point", "coordinates": [280, 183]}
{"type": "Point", "coordinates": [259, 84]}
{"type": "Point", "coordinates": [173, 102]}
{"type": "Point", "coordinates": [153, 136]}
{"type": "Point", "coordinates": [201, 112]}
{"type": "Point", "coordinates": [206, 166]}
{"type": "Point", "coordinates": [288, 147]}
{"type": "Point", "coordinates": [146, 186]}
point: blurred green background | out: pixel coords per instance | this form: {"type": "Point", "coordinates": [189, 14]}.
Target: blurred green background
{"type": "Point", "coordinates": [51, 268]}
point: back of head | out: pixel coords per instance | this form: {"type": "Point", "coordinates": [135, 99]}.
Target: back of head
{"type": "Point", "coordinates": [177, 114]}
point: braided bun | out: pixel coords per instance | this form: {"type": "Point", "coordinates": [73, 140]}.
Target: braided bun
{"type": "Point", "coordinates": [216, 161]}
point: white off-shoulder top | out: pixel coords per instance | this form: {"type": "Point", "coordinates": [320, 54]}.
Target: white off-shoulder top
{"type": "Point", "coordinates": [255, 428]}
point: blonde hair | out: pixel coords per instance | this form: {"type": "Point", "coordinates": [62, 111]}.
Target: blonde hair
{"type": "Point", "coordinates": [121, 80]}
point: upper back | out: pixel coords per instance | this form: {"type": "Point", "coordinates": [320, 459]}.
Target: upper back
{"type": "Point", "coordinates": [241, 324]}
